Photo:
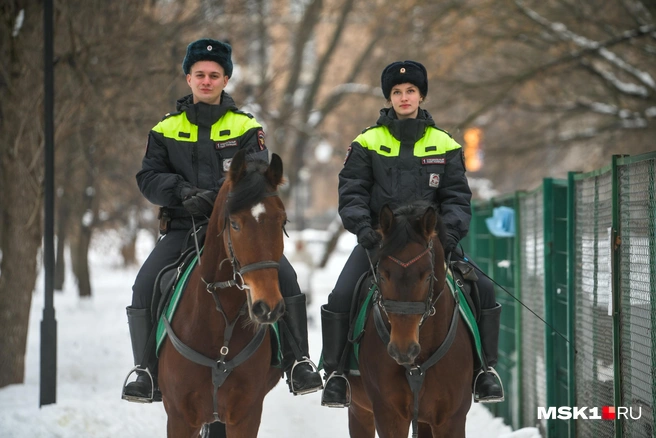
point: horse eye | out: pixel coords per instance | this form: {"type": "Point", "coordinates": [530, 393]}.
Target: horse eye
{"type": "Point", "coordinates": [234, 225]}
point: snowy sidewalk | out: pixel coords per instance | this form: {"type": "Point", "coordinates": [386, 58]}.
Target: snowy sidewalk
{"type": "Point", "coordinates": [94, 356]}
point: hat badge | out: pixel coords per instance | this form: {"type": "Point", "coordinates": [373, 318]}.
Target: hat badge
{"type": "Point", "coordinates": [209, 48]}
{"type": "Point", "coordinates": [402, 70]}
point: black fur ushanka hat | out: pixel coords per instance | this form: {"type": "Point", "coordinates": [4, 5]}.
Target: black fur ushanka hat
{"type": "Point", "coordinates": [401, 72]}
{"type": "Point", "coordinates": [207, 49]}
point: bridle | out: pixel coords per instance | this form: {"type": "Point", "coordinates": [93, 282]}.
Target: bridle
{"type": "Point", "coordinates": [414, 373]}
{"type": "Point", "coordinates": [221, 367]}
{"type": "Point", "coordinates": [238, 270]}
{"type": "Point", "coordinates": [424, 308]}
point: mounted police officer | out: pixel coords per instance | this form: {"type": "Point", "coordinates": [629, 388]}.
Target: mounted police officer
{"type": "Point", "coordinates": [405, 157]}
{"type": "Point", "coordinates": [186, 160]}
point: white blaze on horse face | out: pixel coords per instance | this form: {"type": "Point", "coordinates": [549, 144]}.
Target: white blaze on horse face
{"type": "Point", "coordinates": [257, 211]}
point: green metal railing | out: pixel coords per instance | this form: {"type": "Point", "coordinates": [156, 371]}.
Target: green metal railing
{"type": "Point", "coordinates": [583, 258]}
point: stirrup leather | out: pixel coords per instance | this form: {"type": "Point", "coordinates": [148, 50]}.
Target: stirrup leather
{"type": "Point", "coordinates": [132, 398]}
{"type": "Point", "coordinates": [335, 375]}
{"type": "Point", "coordinates": [490, 400]}
{"type": "Point", "coordinates": [290, 380]}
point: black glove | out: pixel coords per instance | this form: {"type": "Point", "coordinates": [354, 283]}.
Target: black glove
{"type": "Point", "coordinates": [369, 238]}
{"type": "Point", "coordinates": [200, 203]}
{"type": "Point", "coordinates": [450, 243]}
{"type": "Point", "coordinates": [187, 191]}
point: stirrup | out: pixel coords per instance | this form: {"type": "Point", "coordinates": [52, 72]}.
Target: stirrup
{"type": "Point", "coordinates": [489, 400]}
{"type": "Point", "coordinates": [290, 380]}
{"type": "Point", "coordinates": [132, 398]}
{"type": "Point", "coordinates": [334, 375]}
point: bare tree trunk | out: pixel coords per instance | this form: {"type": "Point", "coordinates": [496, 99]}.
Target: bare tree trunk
{"type": "Point", "coordinates": [20, 178]}
{"type": "Point", "coordinates": [80, 260]}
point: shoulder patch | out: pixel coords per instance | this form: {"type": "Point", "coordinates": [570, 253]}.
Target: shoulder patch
{"type": "Point", "coordinates": [260, 139]}
{"type": "Point", "coordinates": [348, 154]}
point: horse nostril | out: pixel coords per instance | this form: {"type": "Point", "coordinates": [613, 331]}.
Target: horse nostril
{"type": "Point", "coordinates": [260, 309]}
{"type": "Point", "coordinates": [414, 350]}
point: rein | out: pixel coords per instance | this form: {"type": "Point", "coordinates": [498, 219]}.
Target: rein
{"type": "Point", "coordinates": [221, 368]}
{"type": "Point", "coordinates": [415, 374]}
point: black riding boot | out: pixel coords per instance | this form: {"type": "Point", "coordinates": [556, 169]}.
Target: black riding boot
{"type": "Point", "coordinates": [141, 390]}
{"type": "Point", "coordinates": [302, 374]}
{"type": "Point", "coordinates": [334, 330]}
{"type": "Point", "coordinates": [488, 387]}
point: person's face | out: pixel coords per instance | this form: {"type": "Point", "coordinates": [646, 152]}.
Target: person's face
{"type": "Point", "coordinates": [207, 80]}
{"type": "Point", "coordinates": [405, 100]}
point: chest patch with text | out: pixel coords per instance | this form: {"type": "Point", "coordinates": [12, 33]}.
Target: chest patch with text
{"type": "Point", "coordinates": [226, 144]}
{"type": "Point", "coordinates": [427, 161]}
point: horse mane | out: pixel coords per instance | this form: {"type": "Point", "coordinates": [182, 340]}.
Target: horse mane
{"type": "Point", "coordinates": [407, 228]}
{"type": "Point", "coordinates": [250, 189]}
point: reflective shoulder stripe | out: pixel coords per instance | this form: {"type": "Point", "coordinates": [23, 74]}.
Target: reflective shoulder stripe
{"type": "Point", "coordinates": [379, 140]}
{"type": "Point", "coordinates": [435, 142]}
{"type": "Point", "coordinates": [177, 127]}
{"type": "Point", "coordinates": [231, 125]}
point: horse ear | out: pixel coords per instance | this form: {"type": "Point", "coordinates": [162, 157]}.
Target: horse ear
{"type": "Point", "coordinates": [386, 218]}
{"type": "Point", "coordinates": [274, 172]}
{"type": "Point", "coordinates": [429, 222]}
{"type": "Point", "coordinates": [238, 166]}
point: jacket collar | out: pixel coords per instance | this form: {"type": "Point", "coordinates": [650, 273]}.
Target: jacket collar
{"type": "Point", "coordinates": [203, 114]}
{"type": "Point", "coordinates": [406, 130]}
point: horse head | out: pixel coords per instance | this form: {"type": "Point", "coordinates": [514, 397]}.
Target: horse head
{"type": "Point", "coordinates": [411, 274]}
{"type": "Point", "coordinates": [253, 219]}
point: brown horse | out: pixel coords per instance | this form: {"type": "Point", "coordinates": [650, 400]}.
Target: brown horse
{"type": "Point", "coordinates": [421, 372]}
{"type": "Point", "coordinates": [222, 321]}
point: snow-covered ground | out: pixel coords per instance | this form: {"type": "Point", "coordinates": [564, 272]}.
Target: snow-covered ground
{"type": "Point", "coordinates": [94, 356]}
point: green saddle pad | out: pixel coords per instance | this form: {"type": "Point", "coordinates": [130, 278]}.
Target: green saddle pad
{"type": "Point", "coordinates": [361, 319]}
{"type": "Point", "coordinates": [169, 311]}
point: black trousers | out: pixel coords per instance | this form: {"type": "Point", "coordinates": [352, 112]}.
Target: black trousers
{"type": "Point", "coordinates": [168, 249]}
{"type": "Point", "coordinates": [339, 300]}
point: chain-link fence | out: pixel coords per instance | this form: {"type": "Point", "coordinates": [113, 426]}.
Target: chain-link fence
{"type": "Point", "coordinates": [583, 258]}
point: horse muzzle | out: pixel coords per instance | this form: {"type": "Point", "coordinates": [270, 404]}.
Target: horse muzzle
{"type": "Point", "coordinates": [406, 357]}
{"type": "Point", "coordinates": [263, 314]}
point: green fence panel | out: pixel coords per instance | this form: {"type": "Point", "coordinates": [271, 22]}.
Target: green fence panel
{"type": "Point", "coordinates": [532, 348]}
{"type": "Point", "coordinates": [637, 199]}
{"type": "Point", "coordinates": [496, 257]}
{"type": "Point", "coordinates": [556, 301]}
{"type": "Point", "coordinates": [594, 366]}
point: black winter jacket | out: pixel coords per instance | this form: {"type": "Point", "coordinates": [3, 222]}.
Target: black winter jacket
{"type": "Point", "coordinates": [397, 162]}
{"type": "Point", "coordinates": [193, 147]}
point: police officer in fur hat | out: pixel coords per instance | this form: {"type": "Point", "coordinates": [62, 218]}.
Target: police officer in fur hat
{"type": "Point", "coordinates": [439, 178]}
{"type": "Point", "coordinates": [185, 185]}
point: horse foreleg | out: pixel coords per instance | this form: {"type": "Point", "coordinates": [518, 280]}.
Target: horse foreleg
{"type": "Point", "coordinates": [361, 422]}
{"type": "Point", "coordinates": [248, 425]}
{"type": "Point", "coordinates": [454, 428]}
{"type": "Point", "coordinates": [425, 431]}
{"type": "Point", "coordinates": [389, 424]}
{"type": "Point", "coordinates": [177, 427]}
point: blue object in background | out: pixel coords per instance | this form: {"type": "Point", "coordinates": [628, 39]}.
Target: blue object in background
{"type": "Point", "coordinates": [502, 222]}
